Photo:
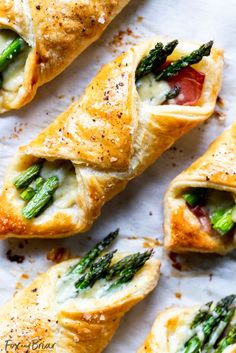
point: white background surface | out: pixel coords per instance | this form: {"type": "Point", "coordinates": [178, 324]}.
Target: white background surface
{"type": "Point", "coordinates": [202, 276]}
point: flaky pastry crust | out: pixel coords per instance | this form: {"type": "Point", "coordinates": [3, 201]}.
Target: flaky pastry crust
{"type": "Point", "coordinates": [110, 136]}
{"type": "Point", "coordinates": [57, 32]}
{"type": "Point", "coordinates": [216, 170]}
{"type": "Point", "coordinates": [34, 317]}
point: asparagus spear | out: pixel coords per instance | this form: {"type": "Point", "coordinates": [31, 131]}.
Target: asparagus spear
{"type": "Point", "coordinates": [9, 54]}
{"type": "Point", "coordinates": [194, 196]}
{"type": "Point", "coordinates": [26, 177]}
{"type": "Point", "coordinates": [174, 92]}
{"type": "Point", "coordinates": [217, 332]}
{"type": "Point", "coordinates": [222, 220]}
{"type": "Point", "coordinates": [27, 194]}
{"type": "Point", "coordinates": [193, 345]}
{"type": "Point", "coordinates": [201, 315]}
{"type": "Point", "coordinates": [31, 190]}
{"type": "Point", "coordinates": [39, 183]}
{"type": "Point", "coordinates": [93, 254]}
{"type": "Point", "coordinates": [197, 341]}
{"type": "Point", "coordinates": [128, 267]}
{"type": "Point", "coordinates": [125, 263]}
{"type": "Point", "coordinates": [156, 57]}
{"type": "Point", "coordinates": [229, 339]}
{"type": "Point", "coordinates": [42, 198]}
{"type": "Point", "coordinates": [96, 272]}
{"type": "Point", "coordinates": [176, 66]}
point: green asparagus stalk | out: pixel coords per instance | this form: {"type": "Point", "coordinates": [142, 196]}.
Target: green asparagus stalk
{"type": "Point", "coordinates": [26, 177]}
{"type": "Point", "coordinates": [93, 254]}
{"type": "Point", "coordinates": [176, 66]}
{"type": "Point", "coordinates": [41, 199]}
{"type": "Point", "coordinates": [126, 268]}
{"type": "Point", "coordinates": [194, 196]}
{"type": "Point", "coordinates": [121, 265]}
{"type": "Point", "coordinates": [156, 57]}
{"type": "Point", "coordinates": [11, 52]}
{"type": "Point", "coordinates": [173, 93]}
{"type": "Point", "coordinates": [201, 315]}
{"type": "Point", "coordinates": [197, 341]}
{"type": "Point", "coordinates": [27, 194]}
{"type": "Point", "coordinates": [97, 271]}
{"type": "Point", "coordinates": [217, 332]}
{"type": "Point", "coordinates": [193, 345]}
{"type": "Point", "coordinates": [229, 339]}
{"type": "Point", "coordinates": [127, 262]}
{"type": "Point", "coordinates": [222, 220]}
{"type": "Point", "coordinates": [31, 190]}
{"type": "Point", "coordinates": [39, 183]}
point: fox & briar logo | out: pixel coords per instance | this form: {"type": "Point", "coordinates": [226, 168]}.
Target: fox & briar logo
{"type": "Point", "coordinates": [34, 345]}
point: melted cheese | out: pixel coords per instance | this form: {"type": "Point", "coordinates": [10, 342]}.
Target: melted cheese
{"type": "Point", "coordinates": [179, 334]}
{"type": "Point", "coordinates": [151, 91]}
{"type": "Point", "coordinates": [66, 286]}
{"type": "Point", "coordinates": [6, 37]}
{"type": "Point", "coordinates": [66, 195]}
{"type": "Point", "coordinates": [13, 76]}
{"type": "Point", "coordinates": [217, 199]}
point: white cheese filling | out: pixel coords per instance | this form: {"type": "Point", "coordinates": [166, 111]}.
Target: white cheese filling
{"type": "Point", "coordinates": [217, 199]}
{"type": "Point", "coordinates": [182, 333]}
{"type": "Point", "coordinates": [13, 75]}
{"type": "Point", "coordinates": [151, 91]}
{"type": "Point", "coordinates": [220, 200]}
{"type": "Point", "coordinates": [66, 286]}
{"type": "Point", "coordinates": [65, 196]}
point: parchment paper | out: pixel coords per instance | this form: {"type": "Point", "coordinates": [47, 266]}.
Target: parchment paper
{"type": "Point", "coordinates": [138, 210]}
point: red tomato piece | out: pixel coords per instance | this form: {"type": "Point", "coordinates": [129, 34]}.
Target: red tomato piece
{"type": "Point", "coordinates": [190, 82]}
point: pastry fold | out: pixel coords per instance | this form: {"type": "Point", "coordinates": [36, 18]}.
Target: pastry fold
{"type": "Point", "coordinates": [214, 170]}
{"type": "Point", "coordinates": [56, 32]}
{"type": "Point", "coordinates": [109, 136]}
{"type": "Point", "coordinates": [171, 330]}
{"type": "Point", "coordinates": [37, 318]}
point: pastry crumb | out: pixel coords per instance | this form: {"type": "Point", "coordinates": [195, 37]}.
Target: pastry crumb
{"type": "Point", "coordinates": [58, 255]}
{"type": "Point", "coordinates": [178, 295]}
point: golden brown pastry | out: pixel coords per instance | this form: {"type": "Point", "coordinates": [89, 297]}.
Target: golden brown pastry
{"type": "Point", "coordinates": [54, 34]}
{"type": "Point", "coordinates": [106, 138]}
{"type": "Point", "coordinates": [210, 328]}
{"type": "Point", "coordinates": [200, 202]}
{"type": "Point", "coordinates": [54, 313]}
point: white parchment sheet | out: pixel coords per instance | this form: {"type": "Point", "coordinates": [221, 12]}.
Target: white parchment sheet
{"type": "Point", "coordinates": [138, 210]}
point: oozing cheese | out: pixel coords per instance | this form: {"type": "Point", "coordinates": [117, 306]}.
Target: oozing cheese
{"type": "Point", "coordinates": [67, 290]}
{"type": "Point", "coordinates": [66, 194]}
{"type": "Point", "coordinates": [6, 37]}
{"type": "Point", "coordinates": [13, 75]}
{"type": "Point", "coordinates": [172, 331]}
{"type": "Point", "coordinates": [151, 91]}
{"type": "Point", "coordinates": [66, 286]}
{"type": "Point", "coordinates": [217, 199]}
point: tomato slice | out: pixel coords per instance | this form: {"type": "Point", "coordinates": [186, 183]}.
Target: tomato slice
{"type": "Point", "coordinates": [190, 82]}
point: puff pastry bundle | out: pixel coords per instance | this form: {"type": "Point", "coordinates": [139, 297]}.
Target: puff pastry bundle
{"type": "Point", "coordinates": [106, 138]}
{"type": "Point", "coordinates": [77, 306]}
{"type": "Point", "coordinates": [52, 35]}
{"type": "Point", "coordinates": [200, 202]}
{"type": "Point", "coordinates": [210, 328]}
